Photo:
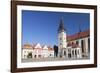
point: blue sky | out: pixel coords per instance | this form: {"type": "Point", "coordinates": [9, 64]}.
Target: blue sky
{"type": "Point", "coordinates": [41, 26]}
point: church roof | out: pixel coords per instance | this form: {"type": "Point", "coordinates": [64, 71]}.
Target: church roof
{"type": "Point", "coordinates": [78, 35]}
{"type": "Point", "coordinates": [28, 46]}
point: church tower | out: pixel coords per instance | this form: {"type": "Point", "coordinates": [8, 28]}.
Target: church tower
{"type": "Point", "coordinates": [62, 41]}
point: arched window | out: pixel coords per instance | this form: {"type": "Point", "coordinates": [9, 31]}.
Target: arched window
{"type": "Point", "coordinates": [34, 56]}
{"type": "Point", "coordinates": [77, 42]}
{"type": "Point", "coordinates": [72, 52]}
{"type": "Point", "coordinates": [89, 44]}
{"type": "Point", "coordinates": [39, 56]}
{"type": "Point", "coordinates": [82, 43]}
{"type": "Point", "coordinates": [29, 55]}
{"type": "Point", "coordinates": [75, 52]}
{"type": "Point", "coordinates": [64, 53]}
{"type": "Point", "coordinates": [69, 55]}
{"type": "Point", "coordinates": [50, 54]}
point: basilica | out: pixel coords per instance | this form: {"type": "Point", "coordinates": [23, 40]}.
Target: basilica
{"type": "Point", "coordinates": [73, 46]}
{"type": "Point", "coordinates": [76, 46]}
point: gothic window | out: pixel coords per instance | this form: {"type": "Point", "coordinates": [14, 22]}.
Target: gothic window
{"type": "Point", "coordinates": [69, 55]}
{"type": "Point", "coordinates": [72, 52]}
{"type": "Point", "coordinates": [89, 44]}
{"type": "Point", "coordinates": [77, 42]}
{"type": "Point", "coordinates": [75, 52]}
{"type": "Point", "coordinates": [82, 43]}
{"type": "Point", "coordinates": [65, 53]}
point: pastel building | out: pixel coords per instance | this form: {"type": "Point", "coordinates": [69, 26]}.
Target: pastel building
{"type": "Point", "coordinates": [36, 51]}
{"type": "Point", "coordinates": [27, 51]}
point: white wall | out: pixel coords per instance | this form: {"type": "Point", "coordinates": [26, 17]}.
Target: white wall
{"type": "Point", "coordinates": [5, 36]}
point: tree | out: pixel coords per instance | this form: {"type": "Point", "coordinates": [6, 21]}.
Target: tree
{"type": "Point", "coordinates": [55, 51]}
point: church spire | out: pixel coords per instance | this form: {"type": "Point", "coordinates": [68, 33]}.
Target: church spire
{"type": "Point", "coordinates": [62, 40]}
{"type": "Point", "coordinates": [61, 25]}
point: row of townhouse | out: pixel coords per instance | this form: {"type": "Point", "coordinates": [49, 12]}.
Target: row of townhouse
{"type": "Point", "coordinates": [36, 51]}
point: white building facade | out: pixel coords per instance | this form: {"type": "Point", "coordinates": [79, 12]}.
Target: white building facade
{"type": "Point", "coordinates": [27, 51]}
{"type": "Point", "coordinates": [79, 43]}
{"type": "Point", "coordinates": [36, 51]}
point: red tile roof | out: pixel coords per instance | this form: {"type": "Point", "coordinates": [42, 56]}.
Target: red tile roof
{"type": "Point", "coordinates": [27, 46]}
{"type": "Point", "coordinates": [78, 35]}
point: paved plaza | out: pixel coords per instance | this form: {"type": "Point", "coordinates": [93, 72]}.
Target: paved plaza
{"type": "Point", "coordinates": [50, 59]}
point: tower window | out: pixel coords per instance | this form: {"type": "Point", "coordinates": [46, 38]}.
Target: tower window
{"type": "Point", "coordinates": [60, 38]}
{"type": "Point", "coordinates": [60, 43]}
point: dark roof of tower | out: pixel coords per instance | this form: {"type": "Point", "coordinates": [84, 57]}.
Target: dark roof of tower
{"type": "Point", "coordinates": [61, 25]}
